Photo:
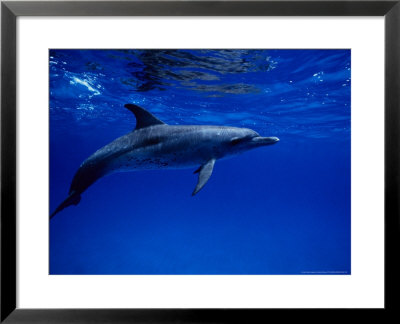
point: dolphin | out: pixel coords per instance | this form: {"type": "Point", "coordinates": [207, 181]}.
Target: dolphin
{"type": "Point", "coordinates": [155, 145]}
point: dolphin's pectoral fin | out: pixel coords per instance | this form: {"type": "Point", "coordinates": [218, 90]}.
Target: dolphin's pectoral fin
{"type": "Point", "coordinates": [143, 117]}
{"type": "Point", "coordinates": [205, 172]}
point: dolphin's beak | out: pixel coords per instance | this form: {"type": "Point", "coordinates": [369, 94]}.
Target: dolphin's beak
{"type": "Point", "coordinates": [265, 140]}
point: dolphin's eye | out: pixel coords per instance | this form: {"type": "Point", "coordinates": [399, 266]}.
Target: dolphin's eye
{"type": "Point", "coordinates": [237, 140]}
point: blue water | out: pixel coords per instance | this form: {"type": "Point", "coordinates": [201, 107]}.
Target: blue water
{"type": "Point", "coordinates": [280, 209]}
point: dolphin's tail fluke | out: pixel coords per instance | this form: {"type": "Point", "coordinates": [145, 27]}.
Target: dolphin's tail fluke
{"type": "Point", "coordinates": [73, 199]}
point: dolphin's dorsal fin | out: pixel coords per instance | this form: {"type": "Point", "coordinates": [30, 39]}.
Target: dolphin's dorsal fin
{"type": "Point", "coordinates": [143, 117]}
{"type": "Point", "coordinates": [205, 172]}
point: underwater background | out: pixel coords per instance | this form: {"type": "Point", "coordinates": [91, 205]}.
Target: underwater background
{"type": "Point", "coordinates": [280, 209]}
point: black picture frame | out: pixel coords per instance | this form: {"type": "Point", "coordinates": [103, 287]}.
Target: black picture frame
{"type": "Point", "coordinates": [10, 10]}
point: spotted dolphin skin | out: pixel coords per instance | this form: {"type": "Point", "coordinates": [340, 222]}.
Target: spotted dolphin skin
{"type": "Point", "coordinates": [156, 145]}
